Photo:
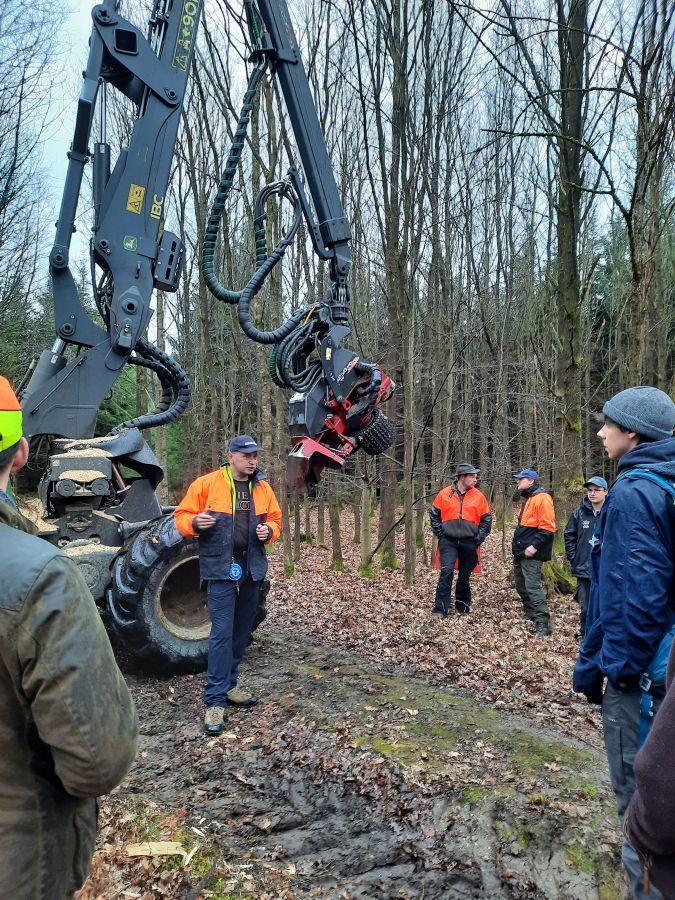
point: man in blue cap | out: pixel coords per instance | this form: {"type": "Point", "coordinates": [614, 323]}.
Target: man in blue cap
{"type": "Point", "coordinates": [532, 546]}
{"type": "Point", "coordinates": [233, 512]}
{"type": "Point", "coordinates": [580, 537]}
{"type": "Point", "coordinates": [632, 604]}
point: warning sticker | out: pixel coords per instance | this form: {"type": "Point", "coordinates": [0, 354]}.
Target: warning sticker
{"type": "Point", "coordinates": [135, 199]}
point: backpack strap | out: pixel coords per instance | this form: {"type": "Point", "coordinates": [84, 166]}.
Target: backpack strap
{"type": "Point", "coordinates": [667, 485]}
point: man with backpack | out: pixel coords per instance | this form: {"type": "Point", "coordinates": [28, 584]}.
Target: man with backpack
{"type": "Point", "coordinates": [461, 520]}
{"type": "Point", "coordinates": [532, 546]}
{"type": "Point", "coordinates": [580, 537]}
{"type": "Point", "coordinates": [630, 616]}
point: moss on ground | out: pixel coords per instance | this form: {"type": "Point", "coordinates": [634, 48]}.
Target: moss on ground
{"type": "Point", "coordinates": [581, 858]}
{"type": "Point", "coordinates": [404, 752]}
{"type": "Point", "coordinates": [473, 794]}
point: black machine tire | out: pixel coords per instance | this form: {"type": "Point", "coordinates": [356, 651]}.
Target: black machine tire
{"type": "Point", "coordinates": [158, 613]}
{"type": "Point", "coordinates": [377, 436]}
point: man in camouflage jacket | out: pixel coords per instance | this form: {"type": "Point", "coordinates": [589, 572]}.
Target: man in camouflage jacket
{"type": "Point", "coordinates": [68, 726]}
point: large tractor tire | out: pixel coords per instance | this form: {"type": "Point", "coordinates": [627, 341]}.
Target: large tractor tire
{"type": "Point", "coordinates": [158, 613]}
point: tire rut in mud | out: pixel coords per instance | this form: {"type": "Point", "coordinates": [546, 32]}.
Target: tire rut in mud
{"type": "Point", "coordinates": [272, 789]}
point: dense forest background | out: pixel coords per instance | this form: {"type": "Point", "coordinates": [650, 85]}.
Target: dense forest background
{"type": "Point", "coordinates": [508, 170]}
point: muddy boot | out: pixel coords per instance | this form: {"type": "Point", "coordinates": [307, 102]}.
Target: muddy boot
{"type": "Point", "coordinates": [213, 720]}
{"type": "Point", "coordinates": [237, 697]}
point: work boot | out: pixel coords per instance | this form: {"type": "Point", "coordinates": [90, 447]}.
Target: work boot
{"type": "Point", "coordinates": [213, 720]}
{"type": "Point", "coordinates": [237, 697]}
{"type": "Point", "coordinates": [542, 630]}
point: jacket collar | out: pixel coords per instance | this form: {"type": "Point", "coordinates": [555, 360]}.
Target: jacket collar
{"type": "Point", "coordinates": [10, 515]}
{"type": "Point", "coordinates": [257, 476]}
{"type": "Point", "coordinates": [657, 456]}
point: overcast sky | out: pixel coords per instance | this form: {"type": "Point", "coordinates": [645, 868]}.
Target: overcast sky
{"type": "Point", "coordinates": [72, 40]}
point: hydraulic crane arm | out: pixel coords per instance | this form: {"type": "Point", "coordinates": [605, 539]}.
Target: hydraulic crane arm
{"type": "Point", "coordinates": [331, 233]}
{"type": "Point", "coordinates": [131, 253]}
{"type": "Point", "coordinates": [334, 408]}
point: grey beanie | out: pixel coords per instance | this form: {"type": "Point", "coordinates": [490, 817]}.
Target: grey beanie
{"type": "Point", "coordinates": [644, 410]}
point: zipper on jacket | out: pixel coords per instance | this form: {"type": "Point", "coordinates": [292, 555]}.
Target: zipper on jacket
{"type": "Point", "coordinates": [461, 502]}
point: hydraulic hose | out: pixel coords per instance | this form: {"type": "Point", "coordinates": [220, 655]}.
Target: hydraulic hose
{"type": "Point", "coordinates": [219, 291]}
{"type": "Point", "coordinates": [285, 191]}
{"type": "Point", "coordinates": [175, 376]}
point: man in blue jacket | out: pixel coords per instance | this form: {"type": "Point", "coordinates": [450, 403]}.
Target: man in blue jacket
{"type": "Point", "coordinates": [632, 583]}
{"type": "Point", "coordinates": [580, 537]}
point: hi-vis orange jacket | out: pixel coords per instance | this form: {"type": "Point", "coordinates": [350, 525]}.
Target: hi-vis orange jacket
{"type": "Point", "coordinates": [536, 525]}
{"type": "Point", "coordinates": [461, 516]}
{"type": "Point", "coordinates": [215, 492]}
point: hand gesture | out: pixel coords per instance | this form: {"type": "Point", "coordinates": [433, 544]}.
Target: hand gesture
{"type": "Point", "coordinates": [204, 520]}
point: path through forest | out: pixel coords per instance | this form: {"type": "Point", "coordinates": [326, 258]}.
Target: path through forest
{"type": "Point", "coordinates": [392, 755]}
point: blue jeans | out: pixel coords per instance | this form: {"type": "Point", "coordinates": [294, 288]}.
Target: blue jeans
{"type": "Point", "coordinates": [232, 607]}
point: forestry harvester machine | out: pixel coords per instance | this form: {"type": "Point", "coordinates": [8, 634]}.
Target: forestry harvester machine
{"type": "Point", "coordinates": [98, 493]}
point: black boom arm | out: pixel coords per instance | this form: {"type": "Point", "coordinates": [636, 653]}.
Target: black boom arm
{"type": "Point", "coordinates": [131, 252]}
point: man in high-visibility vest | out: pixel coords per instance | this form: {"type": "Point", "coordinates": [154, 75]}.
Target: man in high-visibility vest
{"type": "Point", "coordinates": [533, 546]}
{"type": "Point", "coordinates": [234, 513]}
{"type": "Point", "coordinates": [461, 520]}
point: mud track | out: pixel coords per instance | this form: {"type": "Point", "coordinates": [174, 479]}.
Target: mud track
{"type": "Point", "coordinates": [361, 782]}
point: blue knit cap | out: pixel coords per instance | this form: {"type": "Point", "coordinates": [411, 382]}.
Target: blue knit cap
{"type": "Point", "coordinates": [644, 410]}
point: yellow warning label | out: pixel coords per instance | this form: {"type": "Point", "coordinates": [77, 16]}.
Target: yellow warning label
{"type": "Point", "coordinates": [135, 199]}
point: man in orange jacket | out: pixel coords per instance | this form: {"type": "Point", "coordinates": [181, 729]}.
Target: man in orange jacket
{"type": "Point", "coordinates": [532, 547]}
{"type": "Point", "coordinates": [461, 520]}
{"type": "Point", "coordinates": [234, 513]}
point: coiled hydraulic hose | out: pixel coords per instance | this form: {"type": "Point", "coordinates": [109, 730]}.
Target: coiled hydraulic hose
{"type": "Point", "coordinates": [175, 376]}
{"type": "Point", "coordinates": [284, 190]}
{"type": "Point", "coordinates": [296, 370]}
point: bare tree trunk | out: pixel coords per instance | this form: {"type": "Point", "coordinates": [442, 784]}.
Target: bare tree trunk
{"type": "Point", "coordinates": [356, 509]}
{"type": "Point", "coordinates": [572, 38]}
{"type": "Point", "coordinates": [366, 567]}
{"type": "Point", "coordinates": [296, 527]}
{"type": "Point", "coordinates": [286, 537]}
{"type": "Point", "coordinates": [320, 521]}
{"type": "Point", "coordinates": [309, 539]}
{"type": "Point", "coordinates": [337, 562]}
{"type": "Point", "coordinates": [420, 518]}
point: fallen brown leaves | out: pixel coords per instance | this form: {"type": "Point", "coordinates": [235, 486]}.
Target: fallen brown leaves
{"type": "Point", "coordinates": [493, 652]}
{"type": "Point", "coordinates": [358, 747]}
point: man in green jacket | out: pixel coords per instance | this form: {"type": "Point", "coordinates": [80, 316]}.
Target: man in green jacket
{"type": "Point", "coordinates": [68, 725]}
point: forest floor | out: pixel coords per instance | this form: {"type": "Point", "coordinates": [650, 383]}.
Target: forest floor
{"type": "Point", "coordinates": [392, 755]}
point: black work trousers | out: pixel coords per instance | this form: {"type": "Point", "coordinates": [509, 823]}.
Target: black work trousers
{"type": "Point", "coordinates": [466, 551]}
